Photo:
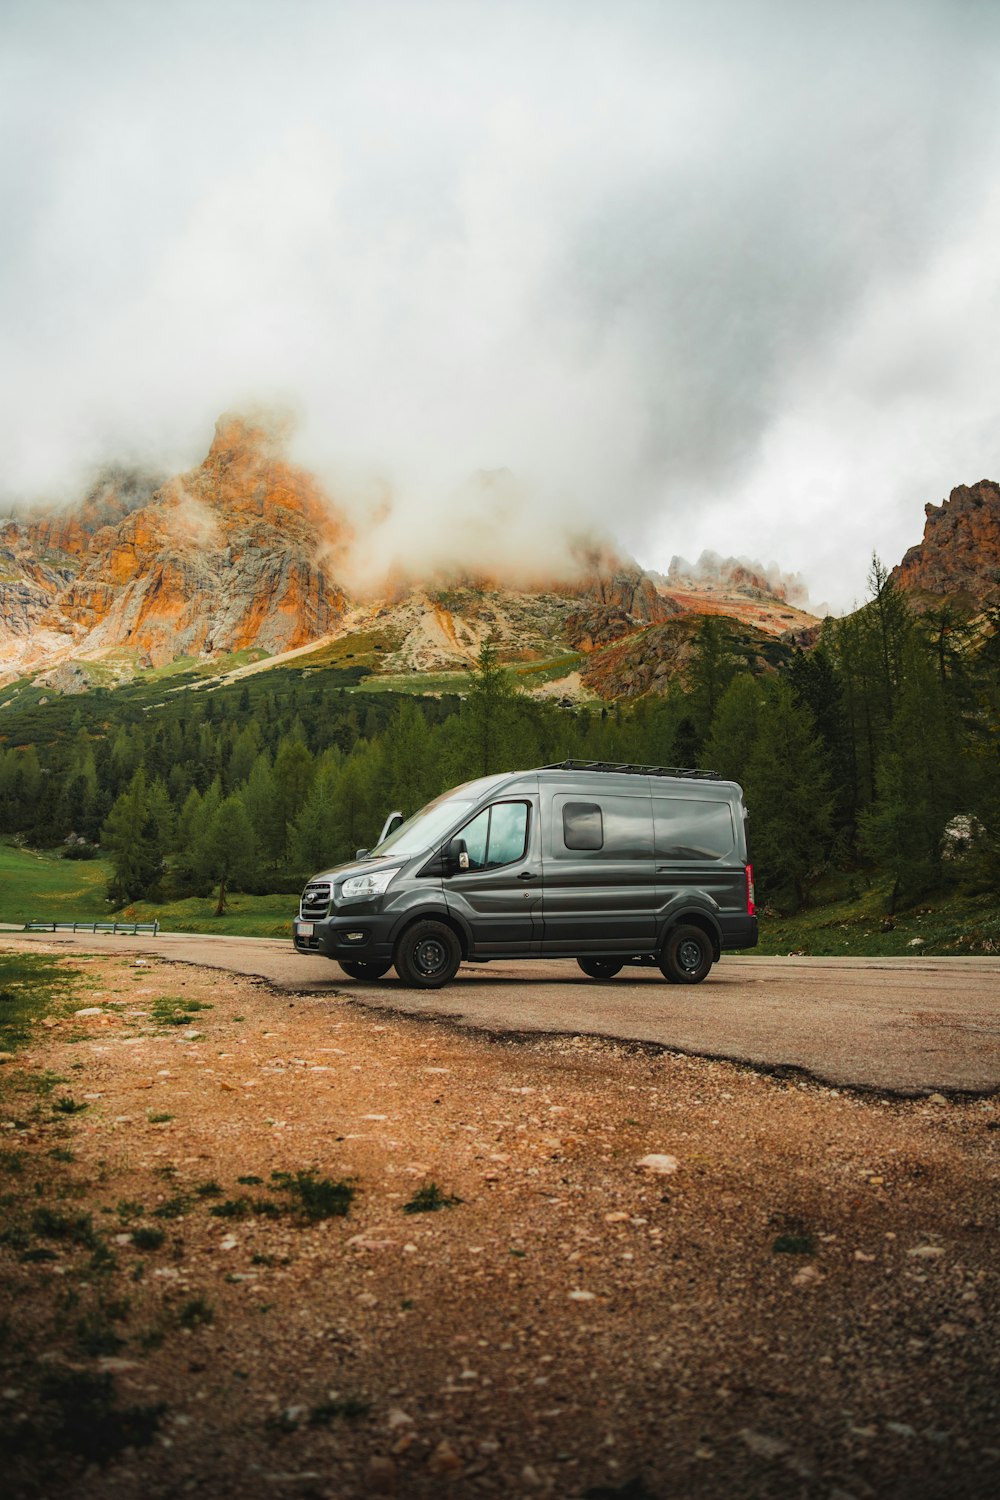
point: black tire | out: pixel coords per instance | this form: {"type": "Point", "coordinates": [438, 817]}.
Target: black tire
{"type": "Point", "coordinates": [365, 968]}
{"type": "Point", "coordinates": [687, 955]}
{"type": "Point", "coordinates": [600, 968]}
{"type": "Point", "coordinates": [427, 955]}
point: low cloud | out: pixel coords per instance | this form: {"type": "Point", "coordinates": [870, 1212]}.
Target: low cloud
{"type": "Point", "coordinates": [718, 277]}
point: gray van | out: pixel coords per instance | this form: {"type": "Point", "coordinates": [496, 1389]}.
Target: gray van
{"type": "Point", "coordinates": [607, 864]}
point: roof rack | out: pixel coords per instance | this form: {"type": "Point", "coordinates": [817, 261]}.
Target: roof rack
{"type": "Point", "coordinates": [607, 765]}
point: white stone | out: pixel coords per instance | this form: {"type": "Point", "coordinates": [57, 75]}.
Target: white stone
{"type": "Point", "coordinates": [663, 1166]}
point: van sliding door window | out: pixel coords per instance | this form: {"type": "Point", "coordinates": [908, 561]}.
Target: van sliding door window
{"type": "Point", "coordinates": [497, 836]}
{"type": "Point", "coordinates": [616, 828]}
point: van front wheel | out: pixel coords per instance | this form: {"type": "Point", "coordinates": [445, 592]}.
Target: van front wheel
{"type": "Point", "coordinates": [427, 955]}
{"type": "Point", "coordinates": [686, 956]}
{"type": "Point", "coordinates": [600, 968]}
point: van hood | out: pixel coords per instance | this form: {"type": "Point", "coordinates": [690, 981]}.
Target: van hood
{"type": "Point", "coordinates": [357, 867]}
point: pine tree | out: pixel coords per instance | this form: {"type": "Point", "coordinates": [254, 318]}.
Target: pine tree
{"type": "Point", "coordinates": [228, 851]}
{"type": "Point", "coordinates": [735, 726]}
{"type": "Point", "coordinates": [488, 719]}
{"type": "Point", "coordinates": [921, 782]}
{"type": "Point", "coordinates": [131, 837]}
{"type": "Point", "coordinates": [788, 794]}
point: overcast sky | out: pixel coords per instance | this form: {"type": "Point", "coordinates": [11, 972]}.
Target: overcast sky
{"type": "Point", "coordinates": [718, 275]}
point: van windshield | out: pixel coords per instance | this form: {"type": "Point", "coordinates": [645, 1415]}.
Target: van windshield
{"type": "Point", "coordinates": [424, 829]}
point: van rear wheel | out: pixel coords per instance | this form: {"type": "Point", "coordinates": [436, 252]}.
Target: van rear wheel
{"type": "Point", "coordinates": [364, 968]}
{"type": "Point", "coordinates": [427, 955]}
{"type": "Point", "coordinates": [600, 968]}
{"type": "Point", "coordinates": [686, 956]}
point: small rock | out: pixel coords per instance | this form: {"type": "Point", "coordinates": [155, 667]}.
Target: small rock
{"type": "Point", "coordinates": [926, 1252]}
{"type": "Point", "coordinates": [901, 1429]}
{"type": "Point", "coordinates": [6, 1057]}
{"type": "Point", "coordinates": [915, 943]}
{"type": "Point", "coordinates": [367, 1299]}
{"type": "Point", "coordinates": [444, 1459]}
{"type": "Point", "coordinates": [90, 1010]}
{"type": "Point", "coordinates": [531, 1477]}
{"type": "Point", "coordinates": [761, 1444]}
{"type": "Point", "coordinates": [616, 1218]}
{"type": "Point", "coordinates": [380, 1475]}
{"type": "Point", "coordinates": [806, 1276]}
{"type": "Point", "coordinates": [662, 1166]}
{"type": "Point", "coordinates": [935, 1099]}
{"type": "Point", "coordinates": [578, 1296]}
{"type": "Point", "coordinates": [110, 1364]}
{"type": "Point", "coordinates": [398, 1418]}
{"type": "Point", "coordinates": [229, 1243]}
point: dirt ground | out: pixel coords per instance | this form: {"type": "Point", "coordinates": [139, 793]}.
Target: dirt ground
{"type": "Point", "coordinates": [796, 1297]}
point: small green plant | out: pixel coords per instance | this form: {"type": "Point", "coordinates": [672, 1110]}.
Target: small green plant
{"type": "Point", "coordinates": [67, 1105]}
{"type": "Point", "coordinates": [74, 1229]}
{"type": "Point", "coordinates": [157, 1118]}
{"type": "Point", "coordinates": [315, 1198]}
{"type": "Point", "coordinates": [80, 1416]}
{"type": "Point", "coordinates": [428, 1199]}
{"type": "Point", "coordinates": [128, 1209]}
{"type": "Point", "coordinates": [62, 1153]}
{"type": "Point", "coordinates": [174, 1010]}
{"type": "Point", "coordinates": [13, 1162]}
{"type": "Point", "coordinates": [351, 1407]}
{"type": "Point", "coordinates": [102, 1260]}
{"type": "Point", "coordinates": [95, 1333]}
{"type": "Point", "coordinates": [794, 1244]}
{"type": "Point", "coordinates": [196, 1313]}
{"type": "Point", "coordinates": [172, 1208]}
{"type": "Point", "coordinates": [250, 1180]}
{"type": "Point", "coordinates": [145, 1237]}
{"type": "Point", "coordinates": [208, 1190]}
{"type": "Point", "coordinates": [232, 1208]}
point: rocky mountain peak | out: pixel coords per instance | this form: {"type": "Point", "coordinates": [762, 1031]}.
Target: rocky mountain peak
{"type": "Point", "coordinates": [960, 551]}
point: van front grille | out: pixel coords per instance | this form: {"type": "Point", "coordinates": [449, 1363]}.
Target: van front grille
{"type": "Point", "coordinates": [315, 900]}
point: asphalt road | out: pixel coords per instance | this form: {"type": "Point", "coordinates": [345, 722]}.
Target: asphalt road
{"type": "Point", "coordinates": [907, 1025]}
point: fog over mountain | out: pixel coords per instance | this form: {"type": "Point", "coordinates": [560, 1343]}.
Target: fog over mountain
{"type": "Point", "coordinates": [716, 278]}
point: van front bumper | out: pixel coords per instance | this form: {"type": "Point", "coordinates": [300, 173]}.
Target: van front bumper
{"type": "Point", "coordinates": [364, 937]}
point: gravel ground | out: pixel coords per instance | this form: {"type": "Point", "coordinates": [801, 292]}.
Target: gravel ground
{"type": "Point", "coordinates": [795, 1298]}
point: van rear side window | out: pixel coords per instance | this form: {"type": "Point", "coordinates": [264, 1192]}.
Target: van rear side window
{"type": "Point", "coordinates": [692, 828]}
{"type": "Point", "coordinates": [583, 826]}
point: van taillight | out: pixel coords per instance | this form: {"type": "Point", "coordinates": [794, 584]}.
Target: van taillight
{"type": "Point", "coordinates": [751, 909]}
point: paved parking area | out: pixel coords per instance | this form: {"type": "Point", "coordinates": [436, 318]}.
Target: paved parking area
{"type": "Point", "coordinates": [907, 1025]}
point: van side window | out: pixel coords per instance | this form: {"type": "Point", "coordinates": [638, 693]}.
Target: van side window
{"type": "Point", "coordinates": [496, 836]}
{"type": "Point", "coordinates": [692, 828]}
{"type": "Point", "coordinates": [583, 825]}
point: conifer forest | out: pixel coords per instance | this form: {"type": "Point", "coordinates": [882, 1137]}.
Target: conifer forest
{"type": "Point", "coordinates": [877, 750]}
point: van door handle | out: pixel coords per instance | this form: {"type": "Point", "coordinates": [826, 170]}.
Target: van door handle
{"type": "Point", "coordinates": [528, 875]}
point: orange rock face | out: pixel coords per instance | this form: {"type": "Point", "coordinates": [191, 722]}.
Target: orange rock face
{"type": "Point", "coordinates": [218, 560]}
{"type": "Point", "coordinates": [960, 552]}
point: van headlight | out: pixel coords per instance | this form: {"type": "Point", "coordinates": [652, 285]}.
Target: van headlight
{"type": "Point", "coordinates": [360, 887]}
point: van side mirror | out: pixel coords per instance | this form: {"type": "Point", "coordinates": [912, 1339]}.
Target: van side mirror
{"type": "Point", "coordinates": [361, 853]}
{"type": "Point", "coordinates": [456, 857]}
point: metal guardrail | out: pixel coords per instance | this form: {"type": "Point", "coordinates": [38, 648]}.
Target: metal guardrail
{"type": "Point", "coordinates": [127, 929]}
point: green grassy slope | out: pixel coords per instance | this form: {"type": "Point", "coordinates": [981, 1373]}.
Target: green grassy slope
{"type": "Point", "coordinates": [46, 887]}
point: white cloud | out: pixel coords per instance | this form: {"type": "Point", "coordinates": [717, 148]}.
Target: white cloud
{"type": "Point", "coordinates": [716, 277]}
